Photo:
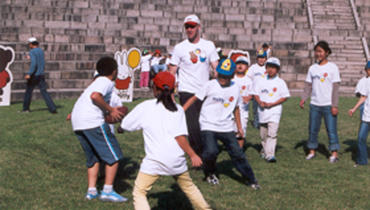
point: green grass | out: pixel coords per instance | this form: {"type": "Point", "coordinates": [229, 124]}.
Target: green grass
{"type": "Point", "coordinates": [42, 166]}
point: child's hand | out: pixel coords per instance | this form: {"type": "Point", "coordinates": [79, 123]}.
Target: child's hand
{"type": "Point", "coordinates": [68, 118]}
{"type": "Point", "coordinates": [351, 111]}
{"type": "Point", "coordinates": [246, 99]}
{"type": "Point", "coordinates": [268, 105]}
{"type": "Point", "coordinates": [115, 114]}
{"type": "Point", "coordinates": [263, 105]}
{"type": "Point", "coordinates": [120, 130]}
{"type": "Point", "coordinates": [301, 103]}
{"type": "Point", "coordinates": [240, 132]}
{"type": "Point", "coordinates": [196, 161]}
{"type": "Point", "coordinates": [334, 111]}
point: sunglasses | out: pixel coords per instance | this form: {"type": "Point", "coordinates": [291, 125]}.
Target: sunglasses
{"type": "Point", "coordinates": [190, 26]}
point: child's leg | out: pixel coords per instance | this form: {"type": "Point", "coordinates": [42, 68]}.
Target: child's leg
{"type": "Point", "coordinates": [143, 184]}
{"type": "Point", "coordinates": [271, 139]}
{"type": "Point", "coordinates": [92, 175]}
{"type": "Point", "coordinates": [263, 135]}
{"type": "Point", "coordinates": [331, 128]}
{"type": "Point", "coordinates": [110, 173]}
{"type": "Point", "coordinates": [314, 127]}
{"type": "Point", "coordinates": [142, 79]}
{"type": "Point", "coordinates": [191, 191]}
{"type": "Point", "coordinates": [210, 152]}
{"type": "Point", "coordinates": [362, 147]}
{"type": "Point", "coordinates": [237, 155]}
{"type": "Point", "coordinates": [146, 79]}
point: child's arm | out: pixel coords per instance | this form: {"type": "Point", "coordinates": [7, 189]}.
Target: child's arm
{"type": "Point", "coordinates": [189, 102]}
{"type": "Point", "coordinates": [246, 99]}
{"type": "Point", "coordinates": [98, 100]}
{"type": "Point", "coordinates": [257, 98]}
{"type": "Point", "coordinates": [306, 93]}
{"type": "Point", "coordinates": [280, 101]}
{"type": "Point", "coordinates": [183, 143]}
{"type": "Point", "coordinates": [69, 117]}
{"type": "Point", "coordinates": [237, 120]}
{"type": "Point", "coordinates": [359, 102]}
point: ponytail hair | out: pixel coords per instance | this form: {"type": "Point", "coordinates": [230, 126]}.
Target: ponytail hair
{"type": "Point", "coordinates": [165, 96]}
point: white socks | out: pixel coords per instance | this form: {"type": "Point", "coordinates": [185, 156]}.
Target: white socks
{"type": "Point", "coordinates": [108, 188]}
{"type": "Point", "coordinates": [92, 191]}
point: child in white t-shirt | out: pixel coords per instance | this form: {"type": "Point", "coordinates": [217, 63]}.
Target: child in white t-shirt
{"type": "Point", "coordinates": [323, 79]}
{"type": "Point", "coordinates": [257, 72]}
{"type": "Point", "coordinates": [164, 129]}
{"type": "Point", "coordinates": [270, 93]}
{"type": "Point", "coordinates": [98, 142]}
{"type": "Point", "coordinates": [221, 100]}
{"type": "Point", "coordinates": [145, 69]}
{"type": "Point", "coordinates": [363, 90]}
{"type": "Point", "coordinates": [245, 89]}
{"type": "Point", "coordinates": [362, 84]}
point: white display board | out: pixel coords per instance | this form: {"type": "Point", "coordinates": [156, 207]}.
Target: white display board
{"type": "Point", "coordinates": [6, 78]}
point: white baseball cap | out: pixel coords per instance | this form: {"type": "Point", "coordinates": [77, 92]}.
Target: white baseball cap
{"type": "Point", "coordinates": [32, 39]}
{"type": "Point", "coordinates": [192, 20]}
{"type": "Point", "coordinates": [274, 61]}
{"type": "Point", "coordinates": [243, 59]}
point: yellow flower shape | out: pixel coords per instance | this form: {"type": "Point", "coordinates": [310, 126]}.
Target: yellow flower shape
{"type": "Point", "coordinates": [226, 104]}
{"type": "Point", "coordinates": [322, 80]}
{"type": "Point", "coordinates": [271, 94]}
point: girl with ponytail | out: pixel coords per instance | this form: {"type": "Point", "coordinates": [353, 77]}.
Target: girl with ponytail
{"type": "Point", "coordinates": [164, 129]}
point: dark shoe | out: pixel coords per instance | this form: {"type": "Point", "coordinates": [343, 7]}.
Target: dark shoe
{"type": "Point", "coordinates": [358, 165]}
{"type": "Point", "coordinates": [271, 159]}
{"type": "Point", "coordinates": [54, 112]}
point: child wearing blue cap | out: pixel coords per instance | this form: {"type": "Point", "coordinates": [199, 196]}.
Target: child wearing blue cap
{"type": "Point", "coordinates": [221, 96]}
{"type": "Point", "coordinates": [363, 91]}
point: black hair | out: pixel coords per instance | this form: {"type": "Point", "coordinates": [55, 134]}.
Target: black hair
{"type": "Point", "coordinates": [106, 66]}
{"type": "Point", "coordinates": [273, 66]}
{"type": "Point", "coordinates": [230, 77]}
{"type": "Point", "coordinates": [265, 45]}
{"type": "Point", "coordinates": [324, 45]}
{"type": "Point", "coordinates": [35, 43]}
{"type": "Point", "coordinates": [165, 96]}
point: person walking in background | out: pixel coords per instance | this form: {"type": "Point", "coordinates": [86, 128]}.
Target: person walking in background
{"type": "Point", "coordinates": [36, 77]}
{"type": "Point", "coordinates": [194, 56]}
{"type": "Point", "coordinates": [323, 81]}
{"type": "Point", "coordinates": [145, 69]}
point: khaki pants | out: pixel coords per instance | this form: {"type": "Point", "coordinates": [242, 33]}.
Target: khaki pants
{"type": "Point", "coordinates": [268, 134]}
{"type": "Point", "coordinates": [144, 183]}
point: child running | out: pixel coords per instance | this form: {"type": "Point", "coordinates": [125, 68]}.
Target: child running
{"type": "Point", "coordinates": [364, 101]}
{"type": "Point", "coordinates": [270, 93]}
{"type": "Point", "coordinates": [245, 88]}
{"type": "Point", "coordinates": [98, 142]}
{"type": "Point", "coordinates": [164, 129]}
{"type": "Point", "coordinates": [221, 99]}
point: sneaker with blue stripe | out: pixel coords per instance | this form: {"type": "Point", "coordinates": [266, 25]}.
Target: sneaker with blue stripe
{"type": "Point", "coordinates": [89, 196]}
{"type": "Point", "coordinates": [112, 197]}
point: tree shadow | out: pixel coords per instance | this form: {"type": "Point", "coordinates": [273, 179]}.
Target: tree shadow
{"type": "Point", "coordinates": [175, 199]}
{"type": "Point", "coordinates": [126, 170]}
{"type": "Point", "coordinates": [321, 148]}
{"type": "Point", "coordinates": [258, 147]}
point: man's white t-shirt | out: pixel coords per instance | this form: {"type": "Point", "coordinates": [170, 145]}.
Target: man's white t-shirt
{"type": "Point", "coordinates": [85, 114]}
{"type": "Point", "coordinates": [322, 79]}
{"type": "Point", "coordinates": [160, 126]}
{"type": "Point", "coordinates": [256, 72]}
{"type": "Point", "coordinates": [269, 91]}
{"type": "Point", "coordinates": [193, 73]}
{"type": "Point", "coordinates": [145, 63]}
{"type": "Point", "coordinates": [245, 89]}
{"type": "Point", "coordinates": [217, 113]}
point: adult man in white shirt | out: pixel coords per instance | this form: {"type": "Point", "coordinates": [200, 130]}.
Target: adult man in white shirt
{"type": "Point", "coordinates": [193, 56]}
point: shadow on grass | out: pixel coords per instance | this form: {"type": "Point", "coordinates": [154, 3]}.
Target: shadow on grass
{"type": "Point", "coordinates": [126, 171]}
{"type": "Point", "coordinates": [258, 147]}
{"type": "Point", "coordinates": [321, 148]}
{"type": "Point", "coordinates": [176, 199]}
{"type": "Point", "coordinates": [353, 145]}
{"type": "Point", "coordinates": [45, 109]}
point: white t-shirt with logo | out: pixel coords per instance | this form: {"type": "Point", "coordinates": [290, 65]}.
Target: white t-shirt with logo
{"type": "Point", "coordinates": [256, 72]}
{"type": "Point", "coordinates": [193, 73]}
{"type": "Point", "coordinates": [145, 63]}
{"type": "Point", "coordinates": [160, 126]}
{"type": "Point", "coordinates": [85, 114]}
{"type": "Point", "coordinates": [322, 79]}
{"type": "Point", "coordinates": [361, 84]}
{"type": "Point", "coordinates": [217, 111]}
{"type": "Point", "coordinates": [270, 91]}
{"type": "Point", "coordinates": [245, 89]}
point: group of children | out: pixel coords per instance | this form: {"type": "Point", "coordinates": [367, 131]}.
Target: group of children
{"type": "Point", "coordinates": [224, 117]}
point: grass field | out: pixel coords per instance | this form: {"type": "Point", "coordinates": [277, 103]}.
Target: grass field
{"type": "Point", "coordinates": [42, 166]}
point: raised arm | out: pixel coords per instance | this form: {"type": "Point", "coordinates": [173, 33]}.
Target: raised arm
{"type": "Point", "coordinates": [214, 66]}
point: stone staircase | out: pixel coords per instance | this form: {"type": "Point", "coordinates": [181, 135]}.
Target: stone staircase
{"type": "Point", "coordinates": [334, 22]}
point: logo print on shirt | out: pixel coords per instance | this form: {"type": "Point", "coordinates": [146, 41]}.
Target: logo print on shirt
{"type": "Point", "coordinates": [273, 91]}
{"type": "Point", "coordinates": [325, 75]}
{"type": "Point", "coordinates": [193, 57]}
{"type": "Point", "coordinates": [202, 57]}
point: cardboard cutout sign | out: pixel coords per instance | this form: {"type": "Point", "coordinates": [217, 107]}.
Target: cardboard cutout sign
{"type": "Point", "coordinates": [6, 77]}
{"type": "Point", "coordinates": [127, 62]}
{"type": "Point", "coordinates": [234, 54]}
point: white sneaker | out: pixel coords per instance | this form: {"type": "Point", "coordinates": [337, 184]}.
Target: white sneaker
{"type": "Point", "coordinates": [310, 156]}
{"type": "Point", "coordinates": [333, 159]}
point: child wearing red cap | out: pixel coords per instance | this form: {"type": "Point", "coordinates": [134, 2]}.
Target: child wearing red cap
{"type": "Point", "coordinates": [156, 63]}
{"type": "Point", "coordinates": [164, 130]}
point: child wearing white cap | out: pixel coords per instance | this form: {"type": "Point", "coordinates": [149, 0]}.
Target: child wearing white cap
{"type": "Point", "coordinates": [270, 93]}
{"type": "Point", "coordinates": [245, 89]}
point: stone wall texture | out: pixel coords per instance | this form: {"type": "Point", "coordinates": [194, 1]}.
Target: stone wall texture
{"type": "Point", "coordinates": [76, 33]}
